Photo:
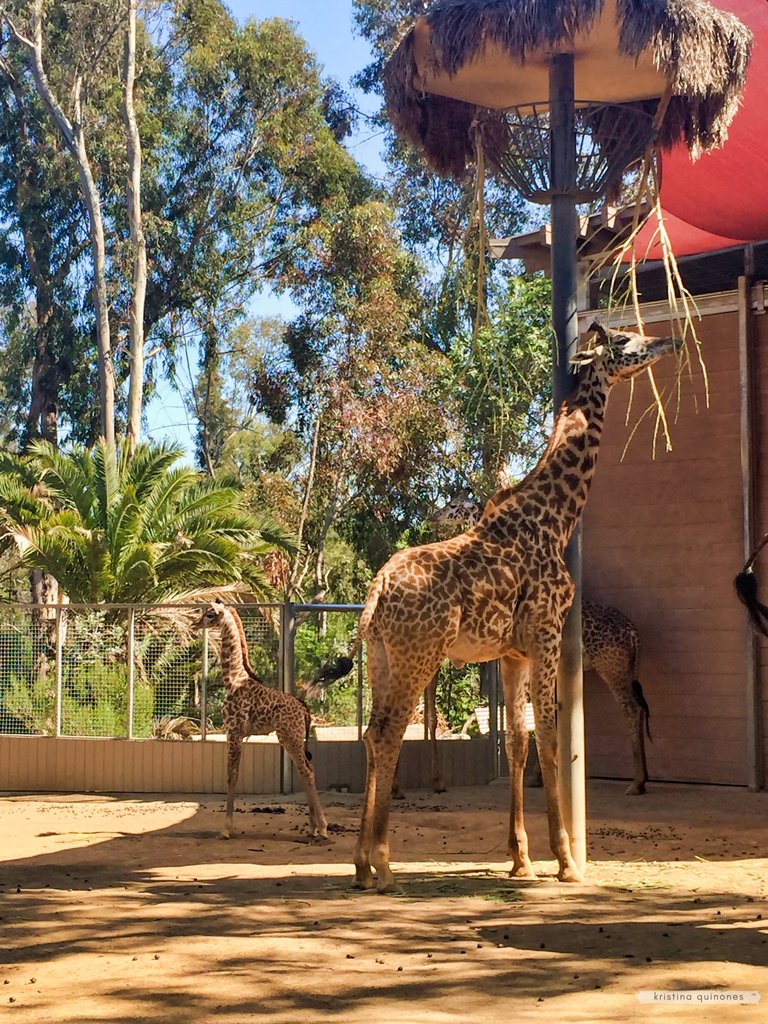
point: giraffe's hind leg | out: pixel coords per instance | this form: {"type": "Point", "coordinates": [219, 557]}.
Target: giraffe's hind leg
{"type": "Point", "coordinates": [378, 673]}
{"type": "Point", "coordinates": [396, 691]}
{"type": "Point", "coordinates": [618, 675]}
{"type": "Point", "coordinates": [435, 754]}
{"type": "Point", "coordinates": [294, 743]}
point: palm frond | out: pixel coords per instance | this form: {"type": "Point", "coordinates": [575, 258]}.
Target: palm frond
{"type": "Point", "coordinates": [106, 480]}
{"type": "Point", "coordinates": [69, 477]}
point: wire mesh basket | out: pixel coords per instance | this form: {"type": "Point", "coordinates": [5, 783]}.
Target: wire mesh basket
{"type": "Point", "coordinates": [609, 138]}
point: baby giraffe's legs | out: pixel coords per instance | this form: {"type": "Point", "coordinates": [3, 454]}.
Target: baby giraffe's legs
{"type": "Point", "coordinates": [296, 747]}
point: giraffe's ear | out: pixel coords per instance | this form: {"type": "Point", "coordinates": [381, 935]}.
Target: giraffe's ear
{"type": "Point", "coordinates": [587, 356]}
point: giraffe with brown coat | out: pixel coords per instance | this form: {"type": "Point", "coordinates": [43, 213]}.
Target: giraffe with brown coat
{"type": "Point", "coordinates": [499, 590]}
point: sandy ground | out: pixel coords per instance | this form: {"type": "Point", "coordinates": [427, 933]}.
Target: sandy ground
{"type": "Point", "coordinates": [128, 909]}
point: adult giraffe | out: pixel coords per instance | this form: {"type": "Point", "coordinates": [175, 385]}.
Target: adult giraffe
{"type": "Point", "coordinates": [500, 590]}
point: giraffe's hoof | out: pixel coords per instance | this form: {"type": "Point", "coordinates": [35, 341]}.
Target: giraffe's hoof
{"type": "Point", "coordinates": [635, 789]}
{"type": "Point", "coordinates": [389, 888]}
{"type": "Point", "coordinates": [439, 787]}
{"type": "Point", "coordinates": [225, 834]}
{"type": "Point", "coordinates": [364, 879]}
{"type": "Point", "coordinates": [570, 873]}
{"type": "Point", "coordinates": [523, 870]}
{"type": "Point", "coordinates": [398, 794]}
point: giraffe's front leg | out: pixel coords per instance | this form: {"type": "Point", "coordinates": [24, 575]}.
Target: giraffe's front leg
{"type": "Point", "coordinates": [514, 675]}
{"type": "Point", "coordinates": [234, 751]}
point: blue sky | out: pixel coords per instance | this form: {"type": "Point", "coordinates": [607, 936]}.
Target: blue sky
{"type": "Point", "coordinates": [327, 26]}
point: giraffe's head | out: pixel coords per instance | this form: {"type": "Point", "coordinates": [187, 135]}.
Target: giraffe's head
{"type": "Point", "coordinates": [619, 355]}
{"type": "Point", "coordinates": [212, 616]}
{"type": "Point", "coordinates": [461, 510]}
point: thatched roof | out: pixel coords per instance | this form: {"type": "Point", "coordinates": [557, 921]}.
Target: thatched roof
{"type": "Point", "coordinates": [702, 52]}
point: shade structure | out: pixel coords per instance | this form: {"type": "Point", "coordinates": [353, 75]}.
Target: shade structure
{"type": "Point", "coordinates": [723, 193]}
{"type": "Point", "coordinates": [685, 239]}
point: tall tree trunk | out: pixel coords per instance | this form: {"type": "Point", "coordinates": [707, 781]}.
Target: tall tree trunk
{"type": "Point", "coordinates": [74, 141]}
{"type": "Point", "coordinates": [138, 241]}
{"type": "Point", "coordinates": [297, 573]}
{"type": "Point", "coordinates": [42, 417]}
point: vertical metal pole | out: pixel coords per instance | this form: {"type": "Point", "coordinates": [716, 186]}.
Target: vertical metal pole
{"type": "Point", "coordinates": [495, 704]}
{"type": "Point", "coordinates": [59, 669]}
{"type": "Point", "coordinates": [755, 761]}
{"type": "Point", "coordinates": [204, 689]}
{"type": "Point", "coordinates": [131, 667]}
{"type": "Point", "coordinates": [360, 695]}
{"type": "Point", "coordinates": [286, 673]}
{"type": "Point", "coordinates": [570, 720]}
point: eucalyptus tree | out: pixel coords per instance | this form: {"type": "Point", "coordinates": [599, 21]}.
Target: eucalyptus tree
{"type": "Point", "coordinates": [476, 307]}
{"type": "Point", "coordinates": [61, 85]}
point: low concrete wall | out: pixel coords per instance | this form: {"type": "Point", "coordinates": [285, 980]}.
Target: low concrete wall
{"type": "Point", "coordinates": [39, 764]}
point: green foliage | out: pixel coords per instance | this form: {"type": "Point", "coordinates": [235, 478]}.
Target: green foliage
{"type": "Point", "coordinates": [318, 641]}
{"type": "Point", "coordinates": [115, 529]}
{"type": "Point", "coordinates": [458, 694]}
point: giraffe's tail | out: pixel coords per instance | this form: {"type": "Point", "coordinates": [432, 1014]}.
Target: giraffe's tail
{"type": "Point", "coordinates": [343, 665]}
{"type": "Point", "coordinates": [637, 693]}
{"type": "Point", "coordinates": [329, 673]}
{"type": "Point", "coordinates": [308, 729]}
{"type": "Point", "coordinates": [746, 591]}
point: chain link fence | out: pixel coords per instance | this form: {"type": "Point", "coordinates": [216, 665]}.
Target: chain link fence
{"type": "Point", "coordinates": [141, 671]}
{"type": "Point", "coordinates": [131, 671]}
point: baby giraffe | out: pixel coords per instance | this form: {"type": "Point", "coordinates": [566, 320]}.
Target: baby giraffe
{"type": "Point", "coordinates": [253, 709]}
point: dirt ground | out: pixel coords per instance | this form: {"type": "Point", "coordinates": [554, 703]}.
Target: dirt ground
{"type": "Point", "coordinates": [128, 909]}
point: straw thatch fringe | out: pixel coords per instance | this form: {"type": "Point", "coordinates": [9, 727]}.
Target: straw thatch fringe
{"type": "Point", "coordinates": [702, 50]}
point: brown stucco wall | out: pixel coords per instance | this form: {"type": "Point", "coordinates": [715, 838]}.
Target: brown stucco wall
{"type": "Point", "coordinates": [662, 542]}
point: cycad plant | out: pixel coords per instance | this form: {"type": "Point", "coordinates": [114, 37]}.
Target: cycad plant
{"type": "Point", "coordinates": [113, 528]}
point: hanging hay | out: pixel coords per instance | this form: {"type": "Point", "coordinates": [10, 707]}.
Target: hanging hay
{"type": "Point", "coordinates": [701, 51]}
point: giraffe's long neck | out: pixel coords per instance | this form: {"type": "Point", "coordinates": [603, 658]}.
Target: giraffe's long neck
{"type": "Point", "coordinates": [554, 493]}
{"type": "Point", "coordinates": [233, 668]}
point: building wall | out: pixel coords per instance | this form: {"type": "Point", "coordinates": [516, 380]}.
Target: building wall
{"type": "Point", "coordinates": [760, 349]}
{"type": "Point", "coordinates": [662, 542]}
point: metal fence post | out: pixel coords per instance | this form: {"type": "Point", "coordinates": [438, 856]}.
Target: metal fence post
{"type": "Point", "coordinates": [59, 670]}
{"type": "Point", "coordinates": [204, 689]}
{"type": "Point", "coordinates": [360, 694]}
{"type": "Point", "coordinates": [493, 718]}
{"type": "Point", "coordinates": [131, 667]}
{"type": "Point", "coordinates": [286, 680]}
